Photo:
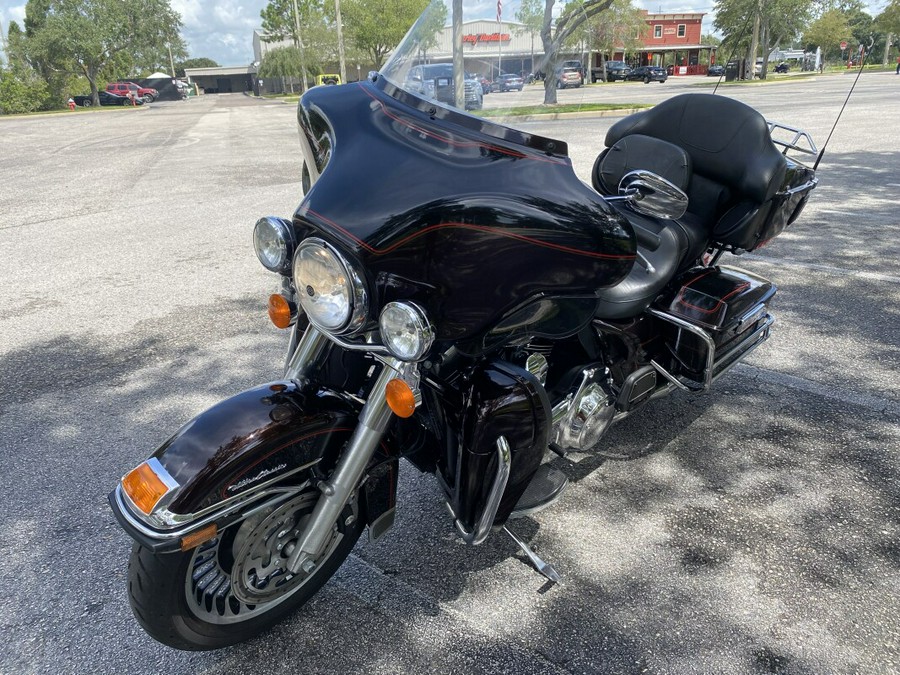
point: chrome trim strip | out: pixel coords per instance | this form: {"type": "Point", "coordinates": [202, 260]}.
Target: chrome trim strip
{"type": "Point", "coordinates": [808, 185]}
{"type": "Point", "coordinates": [489, 512]}
{"type": "Point", "coordinates": [169, 535]}
{"type": "Point", "coordinates": [166, 520]}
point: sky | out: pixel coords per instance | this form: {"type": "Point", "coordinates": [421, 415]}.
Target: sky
{"type": "Point", "coordinates": [222, 30]}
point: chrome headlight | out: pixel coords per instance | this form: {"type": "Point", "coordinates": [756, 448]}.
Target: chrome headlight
{"type": "Point", "coordinates": [329, 289]}
{"type": "Point", "coordinates": [273, 241]}
{"type": "Point", "coordinates": [405, 330]}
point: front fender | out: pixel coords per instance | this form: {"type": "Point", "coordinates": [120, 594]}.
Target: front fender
{"type": "Point", "coordinates": [229, 451]}
{"type": "Point", "coordinates": [251, 438]}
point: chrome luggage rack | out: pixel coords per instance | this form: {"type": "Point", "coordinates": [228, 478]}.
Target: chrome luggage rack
{"type": "Point", "coordinates": [801, 141]}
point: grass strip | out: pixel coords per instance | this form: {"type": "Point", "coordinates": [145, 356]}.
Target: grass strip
{"type": "Point", "coordinates": [522, 111]}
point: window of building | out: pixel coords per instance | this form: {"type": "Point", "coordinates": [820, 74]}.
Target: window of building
{"type": "Point", "coordinates": [681, 28]}
{"type": "Point", "coordinates": [657, 31]}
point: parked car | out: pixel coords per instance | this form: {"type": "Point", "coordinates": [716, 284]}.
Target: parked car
{"type": "Point", "coordinates": [715, 71]}
{"type": "Point", "coordinates": [648, 74]}
{"type": "Point", "coordinates": [615, 70]}
{"type": "Point", "coordinates": [568, 77]}
{"type": "Point", "coordinates": [576, 64]}
{"type": "Point", "coordinates": [509, 83]}
{"type": "Point", "coordinates": [435, 81]}
{"type": "Point", "coordinates": [328, 78]}
{"type": "Point", "coordinates": [106, 98]}
{"type": "Point", "coordinates": [148, 94]}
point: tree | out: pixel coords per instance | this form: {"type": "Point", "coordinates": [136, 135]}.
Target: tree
{"type": "Point", "coordinates": [889, 19]}
{"type": "Point", "coordinates": [827, 32]}
{"type": "Point", "coordinates": [556, 36]}
{"type": "Point", "coordinates": [86, 36]}
{"type": "Point", "coordinates": [281, 62]}
{"type": "Point", "coordinates": [377, 26]}
{"type": "Point", "coordinates": [888, 22]}
{"type": "Point", "coordinates": [200, 62]}
{"type": "Point", "coordinates": [310, 29]}
{"type": "Point", "coordinates": [755, 27]}
{"type": "Point", "coordinates": [622, 26]}
{"type": "Point", "coordinates": [21, 90]}
{"type": "Point", "coordinates": [531, 15]}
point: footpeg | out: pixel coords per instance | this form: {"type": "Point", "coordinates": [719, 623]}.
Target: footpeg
{"type": "Point", "coordinates": [543, 490]}
{"type": "Point", "coordinates": [543, 567]}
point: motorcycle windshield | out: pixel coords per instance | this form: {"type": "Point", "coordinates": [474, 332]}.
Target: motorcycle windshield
{"type": "Point", "coordinates": [458, 54]}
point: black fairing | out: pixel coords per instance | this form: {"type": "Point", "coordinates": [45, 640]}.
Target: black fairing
{"type": "Point", "coordinates": [251, 438]}
{"type": "Point", "coordinates": [503, 400]}
{"type": "Point", "coordinates": [470, 219]}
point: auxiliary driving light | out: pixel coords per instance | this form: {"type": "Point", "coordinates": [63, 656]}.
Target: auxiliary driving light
{"type": "Point", "coordinates": [405, 330]}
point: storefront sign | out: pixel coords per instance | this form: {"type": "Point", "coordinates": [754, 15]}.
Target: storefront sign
{"type": "Point", "coordinates": [475, 38]}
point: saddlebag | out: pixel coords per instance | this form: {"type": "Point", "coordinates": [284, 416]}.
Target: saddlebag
{"type": "Point", "coordinates": [715, 316]}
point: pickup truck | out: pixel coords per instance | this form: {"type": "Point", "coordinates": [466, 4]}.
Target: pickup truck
{"type": "Point", "coordinates": [147, 94]}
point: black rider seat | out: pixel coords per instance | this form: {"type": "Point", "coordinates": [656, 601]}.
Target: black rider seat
{"type": "Point", "coordinates": [715, 149]}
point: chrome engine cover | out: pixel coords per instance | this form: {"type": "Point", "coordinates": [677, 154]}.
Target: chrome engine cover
{"type": "Point", "coordinates": [588, 413]}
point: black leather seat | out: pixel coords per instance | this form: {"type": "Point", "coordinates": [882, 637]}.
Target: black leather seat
{"type": "Point", "coordinates": [662, 244]}
{"type": "Point", "coordinates": [719, 152]}
{"type": "Point", "coordinates": [659, 252]}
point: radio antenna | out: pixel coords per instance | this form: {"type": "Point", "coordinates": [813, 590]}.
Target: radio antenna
{"type": "Point", "coordinates": [737, 42]}
{"type": "Point", "coordinates": [846, 101]}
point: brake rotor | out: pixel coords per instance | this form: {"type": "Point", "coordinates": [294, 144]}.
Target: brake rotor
{"type": "Point", "coordinates": [260, 573]}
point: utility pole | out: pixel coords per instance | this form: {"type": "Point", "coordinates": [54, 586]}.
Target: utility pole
{"type": "Point", "coordinates": [299, 45]}
{"type": "Point", "coordinates": [171, 60]}
{"type": "Point", "coordinates": [340, 36]}
{"type": "Point", "coordinates": [459, 84]}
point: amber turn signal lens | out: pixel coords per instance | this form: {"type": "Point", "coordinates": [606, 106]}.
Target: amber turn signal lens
{"type": "Point", "coordinates": [194, 539]}
{"type": "Point", "coordinates": [144, 487]}
{"type": "Point", "coordinates": [279, 310]}
{"type": "Point", "coordinates": [400, 398]}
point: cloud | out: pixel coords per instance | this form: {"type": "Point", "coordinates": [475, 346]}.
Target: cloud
{"type": "Point", "coordinates": [191, 11]}
{"type": "Point", "coordinates": [221, 30]}
{"type": "Point", "coordinates": [10, 12]}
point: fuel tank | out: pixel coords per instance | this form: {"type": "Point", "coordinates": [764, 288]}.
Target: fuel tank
{"type": "Point", "coordinates": [483, 225]}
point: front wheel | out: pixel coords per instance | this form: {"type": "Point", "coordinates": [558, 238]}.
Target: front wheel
{"type": "Point", "coordinates": [236, 585]}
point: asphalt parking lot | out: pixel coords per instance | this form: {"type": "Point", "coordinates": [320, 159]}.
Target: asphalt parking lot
{"type": "Point", "coordinates": [755, 529]}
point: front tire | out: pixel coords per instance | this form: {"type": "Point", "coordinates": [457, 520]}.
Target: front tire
{"type": "Point", "coordinates": [188, 600]}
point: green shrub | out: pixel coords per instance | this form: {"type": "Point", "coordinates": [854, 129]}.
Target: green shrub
{"type": "Point", "coordinates": [21, 92]}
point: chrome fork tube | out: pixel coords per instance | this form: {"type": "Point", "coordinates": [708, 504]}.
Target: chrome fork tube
{"type": "Point", "coordinates": [306, 356]}
{"type": "Point", "coordinates": [373, 422]}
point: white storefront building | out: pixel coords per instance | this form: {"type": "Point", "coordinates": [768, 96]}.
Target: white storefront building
{"type": "Point", "coordinates": [489, 45]}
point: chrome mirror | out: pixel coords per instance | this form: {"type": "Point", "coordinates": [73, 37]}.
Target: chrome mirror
{"type": "Point", "coordinates": [652, 195]}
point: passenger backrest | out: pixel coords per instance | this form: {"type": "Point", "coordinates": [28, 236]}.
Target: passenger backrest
{"type": "Point", "coordinates": [733, 159]}
{"type": "Point", "coordinates": [637, 151]}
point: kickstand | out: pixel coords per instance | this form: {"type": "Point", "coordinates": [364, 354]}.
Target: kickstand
{"type": "Point", "coordinates": [544, 568]}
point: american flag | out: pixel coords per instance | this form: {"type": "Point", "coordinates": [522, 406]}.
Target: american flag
{"type": "Point", "coordinates": [499, 11]}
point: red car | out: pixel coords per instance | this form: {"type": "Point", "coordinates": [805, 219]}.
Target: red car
{"type": "Point", "coordinates": [148, 94]}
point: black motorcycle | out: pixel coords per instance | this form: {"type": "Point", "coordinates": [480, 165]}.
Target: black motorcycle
{"type": "Point", "coordinates": [454, 296]}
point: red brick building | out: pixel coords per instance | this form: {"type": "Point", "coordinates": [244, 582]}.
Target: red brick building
{"type": "Point", "coordinates": [671, 40]}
